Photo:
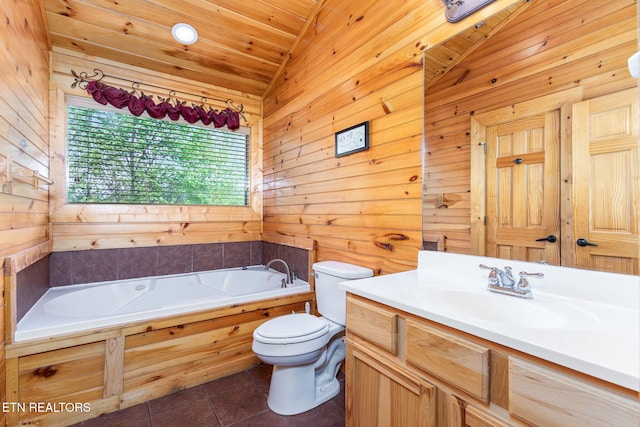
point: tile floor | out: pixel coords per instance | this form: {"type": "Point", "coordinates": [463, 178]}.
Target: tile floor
{"type": "Point", "coordinates": [238, 400]}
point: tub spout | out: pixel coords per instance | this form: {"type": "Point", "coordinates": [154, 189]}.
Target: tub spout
{"type": "Point", "coordinates": [286, 267]}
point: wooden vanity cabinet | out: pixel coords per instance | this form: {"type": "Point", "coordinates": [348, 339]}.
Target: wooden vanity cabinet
{"type": "Point", "coordinates": [382, 391]}
{"type": "Point", "coordinates": [402, 370]}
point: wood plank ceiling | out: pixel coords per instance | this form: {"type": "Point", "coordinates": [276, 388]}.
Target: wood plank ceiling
{"type": "Point", "coordinates": [242, 45]}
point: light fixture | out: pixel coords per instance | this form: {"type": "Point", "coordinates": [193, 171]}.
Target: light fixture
{"type": "Point", "coordinates": [460, 9]}
{"type": "Point", "coordinates": [184, 33]}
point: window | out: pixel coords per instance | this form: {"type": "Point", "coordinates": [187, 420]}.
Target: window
{"type": "Point", "coordinates": [116, 157]}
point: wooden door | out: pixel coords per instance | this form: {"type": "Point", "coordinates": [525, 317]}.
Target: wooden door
{"type": "Point", "coordinates": [517, 196]}
{"type": "Point", "coordinates": [522, 188]}
{"type": "Point", "coordinates": [606, 189]}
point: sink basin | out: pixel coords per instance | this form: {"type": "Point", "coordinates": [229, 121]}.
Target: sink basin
{"type": "Point", "coordinates": [504, 309]}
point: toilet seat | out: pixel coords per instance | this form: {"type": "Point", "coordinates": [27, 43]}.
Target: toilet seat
{"type": "Point", "coordinates": [290, 329]}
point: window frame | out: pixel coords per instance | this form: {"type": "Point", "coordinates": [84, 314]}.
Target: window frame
{"type": "Point", "coordinates": [89, 103]}
{"type": "Point", "coordinates": [72, 216]}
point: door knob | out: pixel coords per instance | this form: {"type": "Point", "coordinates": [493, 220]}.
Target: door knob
{"type": "Point", "coordinates": [550, 238]}
{"type": "Point", "coordinates": [584, 242]}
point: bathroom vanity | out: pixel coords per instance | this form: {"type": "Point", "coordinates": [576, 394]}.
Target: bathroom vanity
{"type": "Point", "coordinates": [434, 347]}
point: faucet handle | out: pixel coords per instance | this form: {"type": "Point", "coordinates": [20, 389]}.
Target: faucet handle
{"type": "Point", "coordinates": [493, 271]}
{"type": "Point", "coordinates": [493, 274]}
{"type": "Point", "coordinates": [523, 284]}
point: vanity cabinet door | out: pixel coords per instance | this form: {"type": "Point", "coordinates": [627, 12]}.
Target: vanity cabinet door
{"type": "Point", "coordinates": [545, 397]}
{"type": "Point", "coordinates": [382, 393]}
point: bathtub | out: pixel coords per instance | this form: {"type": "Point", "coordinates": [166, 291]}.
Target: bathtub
{"type": "Point", "coordinates": [76, 308]}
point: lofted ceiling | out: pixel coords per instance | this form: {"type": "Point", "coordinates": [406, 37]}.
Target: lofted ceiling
{"type": "Point", "coordinates": [242, 45]}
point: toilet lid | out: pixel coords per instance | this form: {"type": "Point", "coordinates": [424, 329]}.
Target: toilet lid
{"type": "Point", "coordinates": [292, 326]}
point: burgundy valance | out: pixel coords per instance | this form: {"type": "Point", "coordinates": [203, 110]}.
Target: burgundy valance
{"type": "Point", "coordinates": [120, 98]}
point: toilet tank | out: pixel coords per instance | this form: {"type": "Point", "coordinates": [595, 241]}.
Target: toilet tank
{"type": "Point", "coordinates": [331, 300]}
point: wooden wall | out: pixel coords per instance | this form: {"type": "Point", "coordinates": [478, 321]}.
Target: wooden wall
{"type": "Point", "coordinates": [82, 227]}
{"type": "Point", "coordinates": [552, 46]}
{"type": "Point", "coordinates": [359, 61]}
{"type": "Point", "coordinates": [24, 128]}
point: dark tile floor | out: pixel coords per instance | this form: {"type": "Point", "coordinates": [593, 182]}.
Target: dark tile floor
{"type": "Point", "coordinates": [238, 400]}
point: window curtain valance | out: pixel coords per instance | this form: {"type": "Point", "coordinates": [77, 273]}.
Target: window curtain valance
{"type": "Point", "coordinates": [139, 103]}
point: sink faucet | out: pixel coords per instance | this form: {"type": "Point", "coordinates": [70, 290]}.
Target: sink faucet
{"type": "Point", "coordinates": [286, 267]}
{"type": "Point", "coordinates": [502, 281]}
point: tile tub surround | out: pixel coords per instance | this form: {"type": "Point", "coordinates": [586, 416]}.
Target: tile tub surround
{"type": "Point", "coordinates": [296, 258]}
{"type": "Point", "coordinates": [32, 283]}
{"type": "Point", "coordinates": [74, 267]}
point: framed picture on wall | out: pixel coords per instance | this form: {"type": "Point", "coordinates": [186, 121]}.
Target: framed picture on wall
{"type": "Point", "coordinates": [352, 140]}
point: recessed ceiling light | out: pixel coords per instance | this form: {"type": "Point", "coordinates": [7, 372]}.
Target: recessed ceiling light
{"type": "Point", "coordinates": [184, 33]}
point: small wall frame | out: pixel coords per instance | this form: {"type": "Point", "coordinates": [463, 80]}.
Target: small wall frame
{"type": "Point", "coordinates": [352, 140]}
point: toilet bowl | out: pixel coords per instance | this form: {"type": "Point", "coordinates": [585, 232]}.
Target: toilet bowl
{"type": "Point", "coordinates": [306, 350]}
{"type": "Point", "coordinates": [291, 340]}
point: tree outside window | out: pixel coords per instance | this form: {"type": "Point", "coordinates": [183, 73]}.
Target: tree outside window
{"type": "Point", "coordinates": [120, 158]}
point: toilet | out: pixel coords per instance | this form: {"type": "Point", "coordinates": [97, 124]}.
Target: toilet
{"type": "Point", "coordinates": [306, 350]}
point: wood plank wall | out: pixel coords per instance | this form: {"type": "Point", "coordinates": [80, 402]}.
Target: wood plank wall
{"type": "Point", "coordinates": [84, 227]}
{"type": "Point", "coordinates": [552, 46]}
{"type": "Point", "coordinates": [24, 129]}
{"type": "Point", "coordinates": [359, 61]}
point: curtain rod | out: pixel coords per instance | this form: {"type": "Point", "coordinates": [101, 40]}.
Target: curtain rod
{"type": "Point", "coordinates": [82, 78]}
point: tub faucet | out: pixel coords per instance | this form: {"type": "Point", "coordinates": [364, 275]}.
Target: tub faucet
{"type": "Point", "coordinates": [286, 267]}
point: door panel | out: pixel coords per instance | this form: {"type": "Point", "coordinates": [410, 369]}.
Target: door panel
{"type": "Point", "coordinates": [606, 189]}
{"type": "Point", "coordinates": [522, 188]}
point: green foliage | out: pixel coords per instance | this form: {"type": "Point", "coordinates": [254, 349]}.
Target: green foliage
{"type": "Point", "coordinates": [121, 158]}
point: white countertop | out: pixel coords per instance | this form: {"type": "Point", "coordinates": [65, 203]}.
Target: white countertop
{"type": "Point", "coordinates": [584, 320]}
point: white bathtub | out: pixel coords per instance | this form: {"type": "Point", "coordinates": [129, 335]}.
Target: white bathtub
{"type": "Point", "coordinates": [76, 308]}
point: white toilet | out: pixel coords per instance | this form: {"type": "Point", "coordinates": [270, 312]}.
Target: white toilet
{"type": "Point", "coordinates": [306, 350]}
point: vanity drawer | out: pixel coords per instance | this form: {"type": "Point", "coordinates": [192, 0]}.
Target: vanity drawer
{"type": "Point", "coordinates": [373, 323]}
{"type": "Point", "coordinates": [542, 396]}
{"type": "Point", "coordinates": [459, 362]}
